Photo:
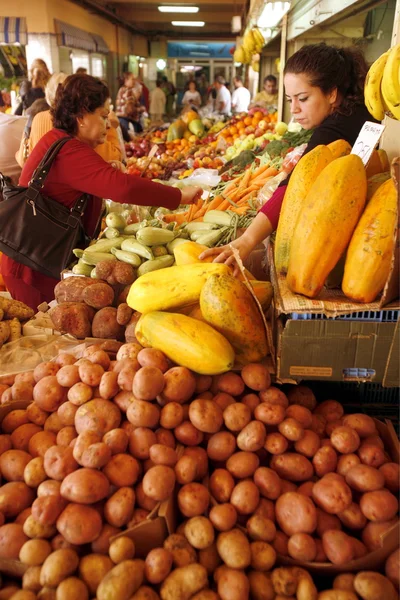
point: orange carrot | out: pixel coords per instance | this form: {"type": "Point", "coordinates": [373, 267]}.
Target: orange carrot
{"type": "Point", "coordinates": [252, 188]}
{"type": "Point", "coordinates": [245, 180]}
{"type": "Point", "coordinates": [200, 213]}
{"type": "Point", "coordinates": [224, 205]}
{"type": "Point", "coordinates": [271, 172]}
{"type": "Point", "coordinates": [259, 171]}
{"type": "Point", "coordinates": [215, 202]}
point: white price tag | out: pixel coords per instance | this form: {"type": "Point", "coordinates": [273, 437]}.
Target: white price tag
{"type": "Point", "coordinates": [367, 140]}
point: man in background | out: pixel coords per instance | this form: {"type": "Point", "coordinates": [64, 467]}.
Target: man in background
{"type": "Point", "coordinates": [223, 99]}
{"type": "Point", "coordinates": [240, 96]}
{"type": "Point", "coordinates": [269, 95]}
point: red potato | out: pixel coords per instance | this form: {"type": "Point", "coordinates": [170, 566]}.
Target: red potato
{"type": "Point", "coordinates": [330, 409]}
{"type": "Point", "coordinates": [119, 507]}
{"type": "Point", "coordinates": [296, 513]}
{"type": "Point", "coordinates": [66, 414]}
{"type": "Point", "coordinates": [171, 415]}
{"type": "Point", "coordinates": [91, 374]}
{"type": "Point", "coordinates": [148, 383]}
{"type": "Point", "coordinates": [13, 463]}
{"type": "Point", "coordinates": [318, 425]}
{"type": "Point", "coordinates": [15, 497]}
{"type": "Point", "coordinates": [12, 538]}
{"type": "Point", "coordinates": [268, 482]}
{"type": "Point", "coordinates": [79, 524]}
{"type": "Point", "coordinates": [150, 357]}
{"type": "Point", "coordinates": [97, 415]}
{"type": "Point", "coordinates": [261, 528]}
{"type": "Point", "coordinates": [332, 425]}
{"type": "Point", "coordinates": [21, 436]}
{"type": "Point", "coordinates": [68, 375]}
{"type": "Point", "coordinates": [287, 486]}
{"type": "Point", "coordinates": [274, 396]}
{"type": "Point", "coordinates": [303, 396]}
{"type": "Point", "coordinates": [5, 443]}
{"type": "Point", "coordinates": [85, 486]}
{"type": "Point", "coordinates": [79, 394]}
{"type": "Point", "coordinates": [25, 377]}
{"type": "Point", "coordinates": [47, 509]}
{"type": "Point", "coordinates": [223, 400]}
{"type": "Point", "coordinates": [221, 484]}
{"type": "Point", "coordinates": [230, 383]}
{"type": "Point", "coordinates": [65, 436]}
{"type": "Point", "coordinates": [301, 414]}
{"type": "Point", "coordinates": [308, 444]}
{"type": "Point", "coordinates": [372, 454]}
{"type": "Point", "coordinates": [392, 568]}
{"type": "Point", "coordinates": [123, 400]}
{"type": "Point", "coordinates": [380, 505]}
{"type": "Point", "coordinates": [252, 437]}
{"type": "Point", "coordinates": [200, 456]}
{"type": "Point", "coordinates": [293, 467]}
{"type": "Point", "coordinates": [391, 473]}
{"type": "Point", "coordinates": [186, 470]}
{"type": "Point", "coordinates": [203, 383]}
{"type": "Point", "coordinates": [108, 387]}
{"type": "Point", "coordinates": [188, 435]}
{"type": "Point", "coordinates": [22, 391]}
{"type": "Point", "coordinates": [332, 494]}
{"type": "Point", "coordinates": [45, 369]}
{"type": "Point", "coordinates": [320, 557]}
{"type": "Point", "coordinates": [53, 423]}
{"type": "Point", "coordinates": [64, 358]}
{"type": "Point", "coordinates": [352, 517]}
{"type": "Point", "coordinates": [256, 377]}
{"type": "Point", "coordinates": [242, 464]}
{"type": "Point", "coordinates": [245, 497]}
{"type": "Point", "coordinates": [326, 522]}
{"type": "Point", "coordinates": [122, 470]}
{"type": "Point", "coordinates": [280, 543]}
{"type": "Point", "coordinates": [373, 533]}
{"type": "Point", "coordinates": [347, 462]}
{"type": "Point", "coordinates": [41, 442]}
{"type": "Point", "coordinates": [325, 461]}
{"type": "Point", "coordinates": [59, 462]}
{"type": "Point", "coordinates": [117, 440]}
{"type": "Point", "coordinates": [140, 442]}
{"type": "Point", "coordinates": [100, 358]}
{"type": "Point", "coordinates": [130, 350]}
{"type": "Point", "coordinates": [166, 437]}
{"type": "Point", "coordinates": [142, 500]}
{"type": "Point", "coordinates": [270, 414]}
{"type": "Point", "coordinates": [163, 455]}
{"type": "Point", "coordinates": [143, 414]}
{"type": "Point", "coordinates": [221, 446]}
{"type": "Point", "coordinates": [48, 393]}
{"type": "Point", "coordinates": [206, 416]}
{"type": "Point", "coordinates": [345, 439]}
{"type": "Point", "coordinates": [193, 499]}
{"type": "Point", "coordinates": [338, 547]}
{"type": "Point", "coordinates": [223, 516]}
{"type": "Point", "coordinates": [36, 415]}
{"type": "Point", "coordinates": [291, 429]}
{"type": "Point", "coordinates": [306, 488]}
{"type": "Point", "coordinates": [363, 424]}
{"type": "Point", "coordinates": [302, 546]}
{"type": "Point", "coordinates": [276, 443]}
{"type": "Point", "coordinates": [266, 508]}
{"type": "Point", "coordinates": [158, 565]}
{"type": "Point", "coordinates": [180, 384]}
{"type": "Point", "coordinates": [252, 401]}
{"type": "Point", "coordinates": [364, 478]}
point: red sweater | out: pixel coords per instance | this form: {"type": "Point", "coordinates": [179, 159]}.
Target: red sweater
{"type": "Point", "coordinates": [77, 169]}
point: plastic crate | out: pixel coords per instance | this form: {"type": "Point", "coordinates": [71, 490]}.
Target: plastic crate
{"type": "Point", "coordinates": [379, 316]}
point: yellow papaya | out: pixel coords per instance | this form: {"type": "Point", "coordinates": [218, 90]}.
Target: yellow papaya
{"type": "Point", "coordinates": [329, 216]}
{"type": "Point", "coordinates": [263, 291]}
{"type": "Point", "coordinates": [171, 288]}
{"type": "Point", "coordinates": [189, 252]}
{"type": "Point", "coordinates": [186, 341]}
{"type": "Point", "coordinates": [339, 148]}
{"type": "Point", "coordinates": [371, 248]}
{"type": "Point", "coordinates": [304, 174]}
{"type": "Point", "coordinates": [228, 305]}
{"type": "Point", "coordinates": [375, 183]}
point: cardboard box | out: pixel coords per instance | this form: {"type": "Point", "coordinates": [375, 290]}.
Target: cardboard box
{"type": "Point", "coordinates": [325, 348]}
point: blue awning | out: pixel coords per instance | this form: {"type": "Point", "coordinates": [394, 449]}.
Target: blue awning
{"type": "Point", "coordinates": [13, 30]}
{"type": "Point", "coordinates": [73, 37]}
{"type": "Point", "coordinates": [101, 45]}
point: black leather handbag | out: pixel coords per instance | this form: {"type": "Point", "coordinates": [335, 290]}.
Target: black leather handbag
{"type": "Point", "coordinates": [35, 230]}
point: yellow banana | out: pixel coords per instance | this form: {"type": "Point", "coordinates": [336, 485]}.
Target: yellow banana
{"type": "Point", "coordinates": [390, 80]}
{"type": "Point", "coordinates": [258, 36]}
{"type": "Point", "coordinates": [372, 89]}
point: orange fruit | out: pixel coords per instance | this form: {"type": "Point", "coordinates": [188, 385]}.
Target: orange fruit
{"type": "Point", "coordinates": [247, 121]}
{"type": "Point", "coordinates": [258, 115]}
{"type": "Point", "coordinates": [233, 130]}
{"type": "Point", "coordinates": [255, 121]}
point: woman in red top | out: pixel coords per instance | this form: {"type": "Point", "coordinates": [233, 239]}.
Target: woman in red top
{"type": "Point", "coordinates": [325, 88]}
{"type": "Point", "coordinates": [81, 110]}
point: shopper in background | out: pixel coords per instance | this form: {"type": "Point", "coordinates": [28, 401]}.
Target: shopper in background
{"type": "Point", "coordinates": [325, 88]}
{"type": "Point", "coordinates": [223, 98]}
{"type": "Point", "coordinates": [11, 131]}
{"type": "Point", "coordinates": [145, 97]}
{"type": "Point", "coordinates": [32, 89]}
{"type": "Point", "coordinates": [269, 95]}
{"type": "Point", "coordinates": [81, 71]}
{"type": "Point", "coordinates": [158, 101]}
{"type": "Point", "coordinates": [81, 110]}
{"type": "Point", "coordinates": [170, 93]}
{"type": "Point", "coordinates": [240, 96]}
{"type": "Point", "coordinates": [128, 107]}
{"type": "Point", "coordinates": [191, 97]}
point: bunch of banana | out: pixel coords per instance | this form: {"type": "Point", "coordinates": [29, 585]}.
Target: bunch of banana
{"type": "Point", "coordinates": [238, 55]}
{"type": "Point", "coordinates": [255, 65]}
{"type": "Point", "coordinates": [382, 85]}
{"type": "Point", "coordinates": [249, 42]}
{"type": "Point", "coordinates": [259, 39]}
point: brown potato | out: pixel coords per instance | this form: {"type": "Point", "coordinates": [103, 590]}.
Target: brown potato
{"type": "Point", "coordinates": [392, 568]}
{"type": "Point", "coordinates": [391, 473]}
{"type": "Point", "coordinates": [234, 549]}
{"type": "Point", "coordinates": [47, 509]}
{"type": "Point", "coordinates": [276, 443]}
{"type": "Point", "coordinates": [182, 552]}
{"type": "Point", "coordinates": [263, 556]}
{"type": "Point", "coordinates": [159, 483]}
{"type": "Point", "coordinates": [200, 456]}
{"type": "Point", "coordinates": [374, 586]}
{"type": "Point", "coordinates": [287, 486]}
{"type": "Point", "coordinates": [268, 483]}
{"type": "Point", "coordinates": [85, 486]}
{"type": "Point", "coordinates": [25, 377]}
{"type": "Point", "coordinates": [68, 375]}
{"type": "Point", "coordinates": [380, 505]}
{"type": "Point", "coordinates": [223, 516]}
{"type": "Point", "coordinates": [221, 446]}
{"type": "Point", "coordinates": [83, 442]}
{"type": "Point", "coordinates": [48, 393]}
{"type": "Point", "coordinates": [242, 464]}
{"type": "Point", "coordinates": [293, 467]}
{"type": "Point", "coordinates": [199, 532]}
{"type": "Point", "coordinates": [252, 401]}
{"type": "Point", "coordinates": [79, 524]}
{"type": "Point", "coordinates": [148, 383]}
{"type": "Point", "coordinates": [291, 429]}
{"type": "Point", "coordinates": [22, 391]}
{"type": "Point", "coordinates": [206, 416]}
{"type": "Point", "coordinates": [122, 470]}
{"type": "Point", "coordinates": [34, 529]}
{"type": "Point", "coordinates": [372, 454]}
{"type": "Point", "coordinates": [21, 436]}
{"type": "Point", "coordinates": [140, 442]}
{"type": "Point", "coordinates": [318, 425]}
{"type": "Point", "coordinates": [36, 415]}
{"type": "Point", "coordinates": [64, 358]}
{"type": "Point", "coordinates": [360, 549]}
{"type": "Point", "coordinates": [12, 538]}
{"type": "Point", "coordinates": [102, 543]}
{"type": "Point", "coordinates": [158, 565]}
{"type": "Point", "coordinates": [171, 415]}
{"type": "Point", "coordinates": [123, 548]}
{"type": "Point", "coordinates": [65, 436]}
{"type": "Point", "coordinates": [34, 472]}
{"type": "Point", "coordinates": [92, 569]}
{"type": "Point", "coordinates": [126, 376]}
{"type": "Point", "coordinates": [325, 461]}
{"type": "Point", "coordinates": [230, 383]}
{"type": "Point", "coordinates": [66, 414]}
{"type": "Point", "coordinates": [261, 587]}
{"type": "Point", "coordinates": [373, 532]}
{"type": "Point", "coordinates": [117, 440]}
{"type": "Point", "coordinates": [301, 546]}
{"type": "Point", "coordinates": [143, 414]}
{"type": "Point", "coordinates": [256, 377]}
{"type": "Point", "coordinates": [15, 497]}
{"type": "Point", "coordinates": [53, 423]}
{"type": "Point", "coordinates": [306, 488]}
{"type": "Point", "coordinates": [223, 400]}
{"type": "Point", "coordinates": [347, 462]}
{"type": "Point", "coordinates": [308, 444]}
{"type": "Point", "coordinates": [186, 470]}
{"type": "Point", "coordinates": [345, 439]}
{"type": "Point", "coordinates": [59, 462]}
{"type": "Point", "coordinates": [108, 386]}
{"type": "Point", "coordinates": [163, 455]}
{"type": "Point", "coordinates": [188, 435]}
{"type": "Point", "coordinates": [14, 419]}
{"type": "Point", "coordinates": [303, 396]}
{"type": "Point", "coordinates": [97, 415]}
{"type": "Point", "coordinates": [232, 584]}
{"type": "Point", "coordinates": [330, 409]}
{"type": "Point", "coordinates": [245, 497]}
{"type": "Point", "coordinates": [221, 484]}
{"type": "Point", "coordinates": [344, 581]}
{"type": "Point", "coordinates": [252, 437]}
{"type": "Point", "coordinates": [363, 424]}
{"type": "Point", "coordinates": [210, 560]}
{"type": "Point", "coordinates": [72, 587]}
{"type": "Point", "coordinates": [13, 463]}
{"type": "Point", "coordinates": [337, 595]}
{"type": "Point", "coordinates": [236, 416]}
{"type": "Point", "coordinates": [274, 396]}
{"type": "Point", "coordinates": [150, 357]}
{"type": "Point", "coordinates": [270, 414]}
{"type": "Point", "coordinates": [34, 552]}
{"type": "Point", "coordinates": [326, 522]}
{"type": "Point", "coordinates": [40, 442]}
{"type": "Point", "coordinates": [180, 384]}
{"type": "Point", "coordinates": [332, 494]}
{"type": "Point", "coordinates": [80, 393]}
{"type": "Point", "coordinates": [45, 369]}
{"type": "Point", "coordinates": [296, 513]}
{"type": "Point", "coordinates": [364, 478]}
{"type": "Point", "coordinates": [352, 517]}
{"type": "Point", "coordinates": [301, 414]}
{"type": "Point", "coordinates": [261, 528]}
{"type": "Point", "coordinates": [58, 566]}
{"type": "Point", "coordinates": [337, 547]}
{"type": "Point", "coordinates": [193, 499]}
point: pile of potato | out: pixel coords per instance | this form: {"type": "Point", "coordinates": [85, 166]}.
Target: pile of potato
{"type": "Point", "coordinates": [259, 474]}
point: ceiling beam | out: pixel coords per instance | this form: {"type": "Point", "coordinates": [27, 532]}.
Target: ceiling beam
{"type": "Point", "coordinates": [149, 16]}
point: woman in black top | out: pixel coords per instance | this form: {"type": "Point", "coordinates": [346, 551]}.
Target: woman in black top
{"type": "Point", "coordinates": [33, 89]}
{"type": "Point", "coordinates": [325, 88]}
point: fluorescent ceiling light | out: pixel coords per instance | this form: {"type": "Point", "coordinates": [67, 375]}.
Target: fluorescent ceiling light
{"type": "Point", "coordinates": [272, 14]}
{"type": "Point", "coordinates": [178, 9]}
{"type": "Point", "coordinates": [188, 23]}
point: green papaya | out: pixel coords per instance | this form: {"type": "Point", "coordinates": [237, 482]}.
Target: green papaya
{"type": "Point", "coordinates": [196, 127]}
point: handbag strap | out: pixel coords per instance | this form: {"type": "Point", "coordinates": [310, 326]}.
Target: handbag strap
{"type": "Point", "coordinates": [42, 170]}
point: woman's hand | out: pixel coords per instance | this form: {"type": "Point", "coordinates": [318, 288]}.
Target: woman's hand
{"type": "Point", "coordinates": [117, 164]}
{"type": "Point", "coordinates": [190, 194]}
{"type": "Point", "coordinates": [224, 254]}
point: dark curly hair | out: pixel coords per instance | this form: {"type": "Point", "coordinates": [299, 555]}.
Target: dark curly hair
{"type": "Point", "coordinates": [77, 96]}
{"type": "Point", "coordinates": [329, 67]}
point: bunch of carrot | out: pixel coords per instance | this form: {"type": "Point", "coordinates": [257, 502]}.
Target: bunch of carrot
{"type": "Point", "coordinates": [235, 197]}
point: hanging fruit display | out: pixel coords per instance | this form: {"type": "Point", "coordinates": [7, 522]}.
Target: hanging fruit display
{"type": "Point", "coordinates": [382, 85]}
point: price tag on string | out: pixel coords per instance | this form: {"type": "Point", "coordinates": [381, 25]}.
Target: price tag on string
{"type": "Point", "coordinates": [367, 140]}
